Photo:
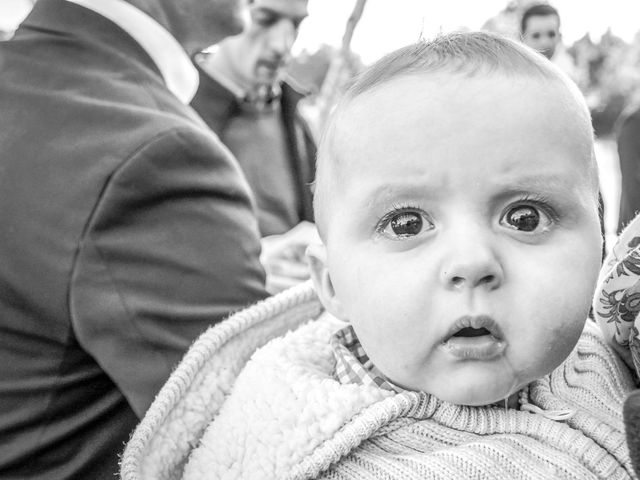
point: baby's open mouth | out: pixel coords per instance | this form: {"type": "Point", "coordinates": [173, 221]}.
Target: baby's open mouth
{"type": "Point", "coordinates": [471, 332]}
{"type": "Point", "coordinates": [470, 326]}
{"type": "Point", "coordinates": [474, 338]}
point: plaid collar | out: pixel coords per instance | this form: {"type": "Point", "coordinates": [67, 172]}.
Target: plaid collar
{"type": "Point", "coordinates": [353, 364]}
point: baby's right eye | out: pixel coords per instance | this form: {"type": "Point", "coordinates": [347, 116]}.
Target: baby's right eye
{"type": "Point", "coordinates": [404, 224]}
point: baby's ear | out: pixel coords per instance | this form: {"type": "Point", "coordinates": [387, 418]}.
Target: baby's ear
{"type": "Point", "coordinates": [317, 258]}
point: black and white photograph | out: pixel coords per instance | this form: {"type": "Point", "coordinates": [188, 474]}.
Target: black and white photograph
{"type": "Point", "coordinates": [319, 239]}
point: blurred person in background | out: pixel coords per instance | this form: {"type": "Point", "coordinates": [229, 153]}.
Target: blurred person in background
{"type": "Point", "coordinates": [127, 227]}
{"type": "Point", "coordinates": [247, 99]}
{"type": "Point", "coordinates": [540, 30]}
{"type": "Point", "coordinates": [628, 139]}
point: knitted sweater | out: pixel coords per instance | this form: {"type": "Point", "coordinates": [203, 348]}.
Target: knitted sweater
{"type": "Point", "coordinates": [285, 416]}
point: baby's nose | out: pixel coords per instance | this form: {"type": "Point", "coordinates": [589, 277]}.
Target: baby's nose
{"type": "Point", "coordinates": [471, 262]}
{"type": "Point", "coordinates": [471, 281]}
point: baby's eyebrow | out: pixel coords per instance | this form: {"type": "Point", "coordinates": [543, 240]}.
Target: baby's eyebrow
{"type": "Point", "coordinates": [391, 190]}
{"type": "Point", "coordinates": [397, 193]}
{"type": "Point", "coordinates": [534, 182]}
{"type": "Point", "coordinates": [550, 183]}
{"type": "Point", "coordinates": [540, 182]}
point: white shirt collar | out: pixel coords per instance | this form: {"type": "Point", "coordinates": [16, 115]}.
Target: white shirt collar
{"type": "Point", "coordinates": [180, 76]}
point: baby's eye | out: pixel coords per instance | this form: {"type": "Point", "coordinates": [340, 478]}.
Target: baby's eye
{"type": "Point", "coordinates": [526, 218]}
{"type": "Point", "coordinates": [404, 224]}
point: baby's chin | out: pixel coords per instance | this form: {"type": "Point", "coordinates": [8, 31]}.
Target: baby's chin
{"type": "Point", "coordinates": [480, 393]}
{"type": "Point", "coordinates": [480, 399]}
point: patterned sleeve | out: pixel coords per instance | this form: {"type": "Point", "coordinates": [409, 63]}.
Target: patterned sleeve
{"type": "Point", "coordinates": [617, 298]}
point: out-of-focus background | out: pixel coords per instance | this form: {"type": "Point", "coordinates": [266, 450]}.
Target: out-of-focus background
{"type": "Point", "coordinates": [601, 47]}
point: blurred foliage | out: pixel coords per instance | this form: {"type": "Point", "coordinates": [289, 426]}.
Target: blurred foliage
{"type": "Point", "coordinates": [310, 69]}
{"type": "Point", "coordinates": [324, 73]}
{"type": "Point", "coordinates": [612, 71]}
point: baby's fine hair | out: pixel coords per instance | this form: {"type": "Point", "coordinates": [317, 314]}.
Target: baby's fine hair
{"type": "Point", "coordinates": [466, 54]}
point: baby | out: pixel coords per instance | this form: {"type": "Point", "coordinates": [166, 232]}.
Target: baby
{"type": "Point", "coordinates": [457, 200]}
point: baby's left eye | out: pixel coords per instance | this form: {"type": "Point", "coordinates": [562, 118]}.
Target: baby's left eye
{"type": "Point", "coordinates": [404, 224]}
{"type": "Point", "coordinates": [526, 218]}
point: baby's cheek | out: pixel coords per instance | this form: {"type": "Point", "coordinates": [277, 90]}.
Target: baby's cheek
{"type": "Point", "coordinates": [560, 339]}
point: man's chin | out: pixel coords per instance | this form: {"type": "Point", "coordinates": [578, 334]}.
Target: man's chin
{"type": "Point", "coordinates": [266, 76]}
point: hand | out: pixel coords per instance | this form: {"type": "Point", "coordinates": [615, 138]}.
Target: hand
{"type": "Point", "coordinates": [283, 256]}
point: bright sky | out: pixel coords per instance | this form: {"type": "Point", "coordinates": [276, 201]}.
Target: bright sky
{"type": "Point", "coordinates": [12, 12]}
{"type": "Point", "coordinates": [389, 24]}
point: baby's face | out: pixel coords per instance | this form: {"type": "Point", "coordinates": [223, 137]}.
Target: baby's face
{"type": "Point", "coordinates": [462, 234]}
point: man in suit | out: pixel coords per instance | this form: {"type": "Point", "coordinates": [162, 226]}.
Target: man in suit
{"type": "Point", "coordinates": [127, 228]}
{"type": "Point", "coordinates": [247, 100]}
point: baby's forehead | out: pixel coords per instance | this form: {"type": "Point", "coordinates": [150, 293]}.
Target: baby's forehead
{"type": "Point", "coordinates": [414, 90]}
{"type": "Point", "coordinates": [460, 121]}
{"type": "Point", "coordinates": [455, 104]}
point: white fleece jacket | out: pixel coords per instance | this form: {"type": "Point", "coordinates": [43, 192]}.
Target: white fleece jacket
{"type": "Point", "coordinates": [242, 407]}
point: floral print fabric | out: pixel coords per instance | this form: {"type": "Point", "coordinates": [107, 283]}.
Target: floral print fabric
{"type": "Point", "coordinates": [617, 297]}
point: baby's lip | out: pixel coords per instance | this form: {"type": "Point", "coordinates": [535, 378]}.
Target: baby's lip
{"type": "Point", "coordinates": [475, 338]}
{"type": "Point", "coordinates": [474, 325]}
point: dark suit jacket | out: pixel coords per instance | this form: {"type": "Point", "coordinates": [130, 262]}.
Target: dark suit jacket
{"type": "Point", "coordinates": [217, 106]}
{"type": "Point", "coordinates": [629, 153]}
{"type": "Point", "coordinates": [126, 230]}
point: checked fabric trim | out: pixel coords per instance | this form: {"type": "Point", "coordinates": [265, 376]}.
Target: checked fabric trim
{"type": "Point", "coordinates": [353, 365]}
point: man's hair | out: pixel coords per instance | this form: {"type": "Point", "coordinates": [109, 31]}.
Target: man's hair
{"type": "Point", "coordinates": [464, 54]}
{"type": "Point", "coordinates": [538, 10]}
